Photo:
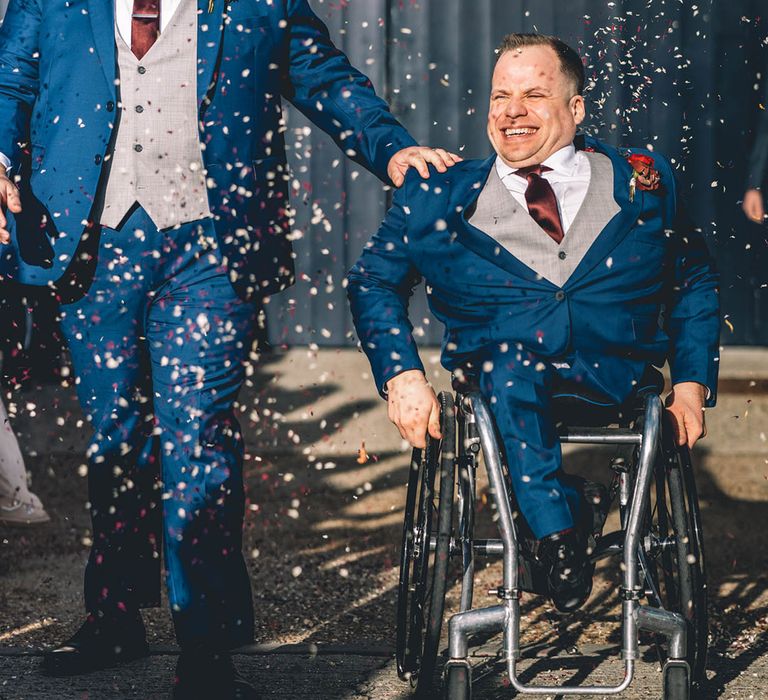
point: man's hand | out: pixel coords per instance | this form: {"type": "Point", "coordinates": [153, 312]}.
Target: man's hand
{"type": "Point", "coordinates": [686, 404]}
{"type": "Point", "coordinates": [419, 157]}
{"type": "Point", "coordinates": [9, 199]}
{"type": "Point", "coordinates": [753, 206]}
{"type": "Point", "coordinates": [412, 406]}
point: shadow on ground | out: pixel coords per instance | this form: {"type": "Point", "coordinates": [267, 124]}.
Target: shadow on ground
{"type": "Point", "coordinates": [322, 534]}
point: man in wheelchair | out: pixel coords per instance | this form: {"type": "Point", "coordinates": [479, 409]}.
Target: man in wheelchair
{"type": "Point", "coordinates": [557, 259]}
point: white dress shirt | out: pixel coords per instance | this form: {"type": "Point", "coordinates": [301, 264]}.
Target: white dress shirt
{"type": "Point", "coordinates": [569, 178]}
{"type": "Point", "coordinates": [123, 12]}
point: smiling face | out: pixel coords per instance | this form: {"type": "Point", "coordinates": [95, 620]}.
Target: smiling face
{"type": "Point", "coordinates": [534, 108]}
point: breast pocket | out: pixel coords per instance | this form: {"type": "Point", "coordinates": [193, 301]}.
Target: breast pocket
{"type": "Point", "coordinates": [247, 26]}
{"type": "Point", "coordinates": [650, 236]}
{"type": "Point", "coordinates": [249, 48]}
{"type": "Point", "coordinates": [649, 250]}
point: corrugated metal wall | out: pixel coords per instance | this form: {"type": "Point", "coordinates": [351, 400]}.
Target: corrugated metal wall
{"type": "Point", "coordinates": [681, 75]}
{"type": "Point", "coordinates": [677, 75]}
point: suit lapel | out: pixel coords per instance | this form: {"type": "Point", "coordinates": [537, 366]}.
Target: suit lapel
{"type": "Point", "coordinates": [102, 16]}
{"type": "Point", "coordinates": [621, 224]}
{"type": "Point", "coordinates": [480, 242]}
{"type": "Point", "coordinates": [210, 28]}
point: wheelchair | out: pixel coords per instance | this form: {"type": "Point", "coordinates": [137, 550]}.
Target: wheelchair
{"type": "Point", "coordinates": [659, 544]}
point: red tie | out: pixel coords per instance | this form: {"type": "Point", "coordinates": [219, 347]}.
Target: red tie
{"type": "Point", "coordinates": [145, 26]}
{"type": "Point", "coordinates": [541, 200]}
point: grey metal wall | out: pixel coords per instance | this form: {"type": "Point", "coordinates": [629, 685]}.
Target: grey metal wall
{"type": "Point", "coordinates": [683, 76]}
{"type": "Point", "coordinates": [677, 75]}
{"type": "Point", "coordinates": [338, 204]}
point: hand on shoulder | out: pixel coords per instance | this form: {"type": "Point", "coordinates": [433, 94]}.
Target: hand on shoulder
{"type": "Point", "coordinates": [419, 157]}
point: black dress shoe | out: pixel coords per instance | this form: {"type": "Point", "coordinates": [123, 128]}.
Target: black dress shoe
{"type": "Point", "coordinates": [569, 571]}
{"type": "Point", "coordinates": [99, 643]}
{"type": "Point", "coordinates": [204, 675]}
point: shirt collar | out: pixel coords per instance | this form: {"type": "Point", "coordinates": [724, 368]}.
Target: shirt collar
{"type": "Point", "coordinates": [562, 162]}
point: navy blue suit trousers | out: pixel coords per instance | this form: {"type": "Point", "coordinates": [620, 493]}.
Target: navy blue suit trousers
{"type": "Point", "coordinates": [158, 338]}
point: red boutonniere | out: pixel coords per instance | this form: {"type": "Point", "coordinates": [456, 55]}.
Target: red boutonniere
{"type": "Point", "coordinates": [644, 175]}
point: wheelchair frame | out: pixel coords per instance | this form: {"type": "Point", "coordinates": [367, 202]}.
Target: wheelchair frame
{"type": "Point", "coordinates": [475, 432]}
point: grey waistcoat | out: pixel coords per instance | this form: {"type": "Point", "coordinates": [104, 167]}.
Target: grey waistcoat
{"type": "Point", "coordinates": [499, 215]}
{"type": "Point", "coordinates": [156, 160]}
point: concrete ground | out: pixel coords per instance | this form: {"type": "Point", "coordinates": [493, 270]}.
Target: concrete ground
{"type": "Point", "coordinates": [325, 478]}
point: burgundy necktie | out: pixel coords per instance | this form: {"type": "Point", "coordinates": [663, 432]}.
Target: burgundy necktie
{"type": "Point", "coordinates": [541, 200]}
{"type": "Point", "coordinates": [145, 26]}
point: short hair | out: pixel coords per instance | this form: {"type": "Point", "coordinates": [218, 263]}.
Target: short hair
{"type": "Point", "coordinates": [570, 61]}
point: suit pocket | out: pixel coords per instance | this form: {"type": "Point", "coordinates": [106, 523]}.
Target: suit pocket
{"type": "Point", "coordinates": [256, 21]}
{"type": "Point", "coordinates": [653, 237]}
{"type": "Point", "coordinates": [248, 24]}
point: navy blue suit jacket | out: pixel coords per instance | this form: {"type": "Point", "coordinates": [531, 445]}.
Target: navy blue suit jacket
{"type": "Point", "coordinates": [57, 116]}
{"type": "Point", "coordinates": [645, 265]}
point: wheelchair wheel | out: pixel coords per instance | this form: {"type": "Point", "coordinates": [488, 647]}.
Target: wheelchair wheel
{"type": "Point", "coordinates": [425, 554]}
{"type": "Point", "coordinates": [677, 684]}
{"type": "Point", "coordinates": [676, 576]}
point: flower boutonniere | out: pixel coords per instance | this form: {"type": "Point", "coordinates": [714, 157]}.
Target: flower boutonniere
{"type": "Point", "coordinates": [644, 175]}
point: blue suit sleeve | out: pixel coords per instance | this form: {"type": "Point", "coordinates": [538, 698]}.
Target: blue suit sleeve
{"type": "Point", "coordinates": [338, 98]}
{"type": "Point", "coordinates": [379, 286]}
{"type": "Point", "coordinates": [692, 316]}
{"type": "Point", "coordinates": [757, 168]}
{"type": "Point", "coordinates": [19, 82]}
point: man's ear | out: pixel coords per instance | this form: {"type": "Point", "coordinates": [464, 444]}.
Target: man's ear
{"type": "Point", "coordinates": [577, 109]}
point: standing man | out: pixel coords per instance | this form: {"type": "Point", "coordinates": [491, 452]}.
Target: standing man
{"type": "Point", "coordinates": [757, 170]}
{"type": "Point", "coordinates": [146, 177]}
{"type": "Point", "coordinates": [549, 261]}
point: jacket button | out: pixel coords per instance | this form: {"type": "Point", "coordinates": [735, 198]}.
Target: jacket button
{"type": "Point", "coordinates": [110, 106]}
{"type": "Point", "coordinates": [97, 159]}
{"type": "Point", "coordinates": [562, 255]}
{"type": "Point", "coordinates": [142, 70]}
{"type": "Point", "coordinates": [559, 295]}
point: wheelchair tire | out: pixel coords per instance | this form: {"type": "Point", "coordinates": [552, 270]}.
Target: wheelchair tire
{"type": "Point", "coordinates": [677, 565]}
{"type": "Point", "coordinates": [424, 573]}
{"type": "Point", "coordinates": [677, 684]}
{"type": "Point", "coordinates": [458, 683]}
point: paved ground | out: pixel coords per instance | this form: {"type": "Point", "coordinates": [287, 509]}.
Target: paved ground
{"type": "Point", "coordinates": [322, 534]}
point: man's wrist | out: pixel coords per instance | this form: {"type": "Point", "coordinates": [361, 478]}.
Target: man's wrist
{"type": "Point", "coordinates": [408, 375]}
{"type": "Point", "coordinates": [692, 386]}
